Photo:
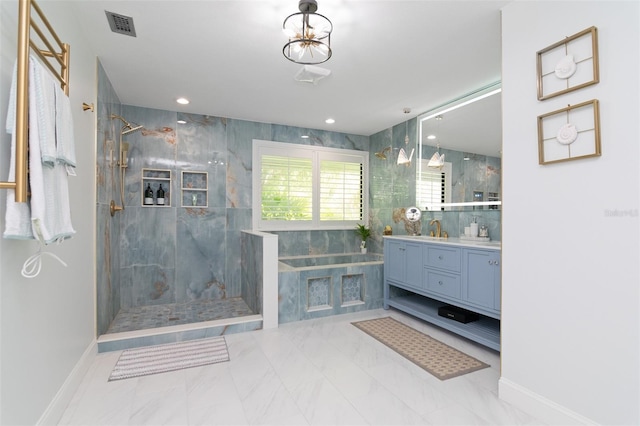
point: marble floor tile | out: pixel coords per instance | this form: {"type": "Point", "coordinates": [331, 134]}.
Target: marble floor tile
{"type": "Point", "coordinates": [315, 372]}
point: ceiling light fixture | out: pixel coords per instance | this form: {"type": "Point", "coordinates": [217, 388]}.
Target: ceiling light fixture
{"type": "Point", "coordinates": [329, 121]}
{"type": "Point", "coordinates": [182, 101]}
{"type": "Point", "coordinates": [309, 35]}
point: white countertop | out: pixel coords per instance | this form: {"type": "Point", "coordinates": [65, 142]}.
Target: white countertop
{"type": "Point", "coordinates": [452, 241]}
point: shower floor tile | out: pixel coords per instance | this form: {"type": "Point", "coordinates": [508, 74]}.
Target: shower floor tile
{"type": "Point", "coordinates": [154, 316]}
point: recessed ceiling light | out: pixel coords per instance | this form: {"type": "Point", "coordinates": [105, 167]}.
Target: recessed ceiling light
{"type": "Point", "coordinates": [182, 122]}
{"type": "Point", "coordinates": [431, 137]}
{"type": "Point", "coordinates": [182, 101]}
{"type": "Point", "coordinates": [305, 136]}
{"type": "Point", "coordinates": [329, 121]}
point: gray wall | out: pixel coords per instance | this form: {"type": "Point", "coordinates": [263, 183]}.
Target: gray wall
{"type": "Point", "coordinates": [570, 301]}
{"type": "Point", "coordinates": [48, 322]}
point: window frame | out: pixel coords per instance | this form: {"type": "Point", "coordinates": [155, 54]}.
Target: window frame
{"type": "Point", "coordinates": [447, 169]}
{"type": "Point", "coordinates": [317, 153]}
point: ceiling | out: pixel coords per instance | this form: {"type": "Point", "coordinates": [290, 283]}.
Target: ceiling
{"type": "Point", "coordinates": [226, 58]}
{"type": "Point", "coordinates": [475, 127]}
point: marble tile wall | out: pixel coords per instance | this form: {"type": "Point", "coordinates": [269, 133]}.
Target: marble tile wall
{"type": "Point", "coordinates": [252, 273]}
{"type": "Point", "coordinates": [322, 292]}
{"type": "Point", "coordinates": [107, 227]}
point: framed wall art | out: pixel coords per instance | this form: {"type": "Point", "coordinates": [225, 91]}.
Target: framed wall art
{"type": "Point", "coordinates": [569, 133]}
{"type": "Point", "coordinates": [568, 65]}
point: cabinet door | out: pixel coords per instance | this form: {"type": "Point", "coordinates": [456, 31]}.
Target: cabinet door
{"type": "Point", "coordinates": [413, 264]}
{"type": "Point", "coordinates": [482, 270]}
{"type": "Point", "coordinates": [403, 263]}
{"type": "Point", "coordinates": [395, 260]}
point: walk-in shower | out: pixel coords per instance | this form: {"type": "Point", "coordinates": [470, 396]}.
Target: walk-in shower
{"type": "Point", "coordinates": [123, 150]}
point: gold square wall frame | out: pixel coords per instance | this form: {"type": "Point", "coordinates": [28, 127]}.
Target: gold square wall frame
{"type": "Point", "coordinates": [568, 65]}
{"type": "Point", "coordinates": [570, 133]}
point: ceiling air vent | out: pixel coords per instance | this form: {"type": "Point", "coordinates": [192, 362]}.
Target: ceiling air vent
{"type": "Point", "coordinates": [121, 24]}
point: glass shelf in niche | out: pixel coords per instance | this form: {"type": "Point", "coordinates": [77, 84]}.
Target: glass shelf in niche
{"type": "Point", "coordinates": [154, 178]}
{"type": "Point", "coordinates": [194, 189]}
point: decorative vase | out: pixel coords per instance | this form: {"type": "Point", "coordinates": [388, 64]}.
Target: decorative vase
{"type": "Point", "coordinates": [363, 250]}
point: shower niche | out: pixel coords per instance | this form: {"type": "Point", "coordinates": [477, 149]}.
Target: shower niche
{"type": "Point", "coordinates": [155, 178]}
{"type": "Point", "coordinates": [194, 189]}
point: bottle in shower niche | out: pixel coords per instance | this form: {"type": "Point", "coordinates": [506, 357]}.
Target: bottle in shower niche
{"type": "Point", "coordinates": [160, 196]}
{"type": "Point", "coordinates": [148, 195]}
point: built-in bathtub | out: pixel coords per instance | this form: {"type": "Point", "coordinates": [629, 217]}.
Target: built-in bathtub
{"type": "Point", "coordinates": [327, 260]}
{"type": "Point", "coordinates": [329, 284]}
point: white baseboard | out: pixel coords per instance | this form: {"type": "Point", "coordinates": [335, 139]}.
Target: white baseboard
{"type": "Point", "coordinates": [541, 408]}
{"type": "Point", "coordinates": [58, 405]}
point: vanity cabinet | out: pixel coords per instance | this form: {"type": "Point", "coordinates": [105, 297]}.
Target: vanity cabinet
{"type": "Point", "coordinates": [421, 275]}
{"type": "Point", "coordinates": [405, 263]}
{"type": "Point", "coordinates": [482, 278]}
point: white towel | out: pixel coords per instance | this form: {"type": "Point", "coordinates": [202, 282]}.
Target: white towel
{"type": "Point", "coordinates": [48, 216]}
{"type": "Point", "coordinates": [65, 142]}
{"type": "Point", "coordinates": [50, 208]}
{"type": "Point", "coordinates": [42, 96]}
{"type": "Point", "coordinates": [17, 215]}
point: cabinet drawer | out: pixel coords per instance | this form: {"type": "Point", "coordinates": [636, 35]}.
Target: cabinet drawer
{"type": "Point", "coordinates": [445, 284]}
{"type": "Point", "coordinates": [442, 257]}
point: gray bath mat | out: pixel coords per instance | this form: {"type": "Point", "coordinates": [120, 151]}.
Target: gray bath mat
{"type": "Point", "coordinates": [170, 357]}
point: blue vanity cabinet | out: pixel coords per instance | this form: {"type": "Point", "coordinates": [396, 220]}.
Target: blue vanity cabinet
{"type": "Point", "coordinates": [404, 260]}
{"type": "Point", "coordinates": [420, 276]}
{"type": "Point", "coordinates": [482, 280]}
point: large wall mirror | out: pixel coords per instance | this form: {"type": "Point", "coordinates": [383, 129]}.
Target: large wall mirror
{"type": "Point", "coordinates": [458, 164]}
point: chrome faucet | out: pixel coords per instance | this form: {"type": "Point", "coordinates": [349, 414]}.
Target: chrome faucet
{"type": "Point", "coordinates": [437, 222]}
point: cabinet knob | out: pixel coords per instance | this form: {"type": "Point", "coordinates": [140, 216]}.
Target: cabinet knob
{"type": "Point", "coordinates": [440, 257]}
{"type": "Point", "coordinates": [497, 262]}
{"type": "Point", "coordinates": [440, 282]}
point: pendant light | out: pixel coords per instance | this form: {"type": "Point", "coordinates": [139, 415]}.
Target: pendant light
{"type": "Point", "coordinates": [403, 160]}
{"type": "Point", "coordinates": [309, 35]}
{"type": "Point", "coordinates": [437, 161]}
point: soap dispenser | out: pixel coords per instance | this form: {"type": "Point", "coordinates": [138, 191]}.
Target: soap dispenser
{"type": "Point", "coordinates": [474, 227]}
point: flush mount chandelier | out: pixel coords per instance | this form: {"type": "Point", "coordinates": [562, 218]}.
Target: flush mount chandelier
{"type": "Point", "coordinates": [309, 35]}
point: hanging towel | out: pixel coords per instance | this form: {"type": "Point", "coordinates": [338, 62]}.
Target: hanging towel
{"type": "Point", "coordinates": [48, 212]}
{"type": "Point", "coordinates": [65, 145]}
{"type": "Point", "coordinates": [50, 207]}
{"type": "Point", "coordinates": [42, 96]}
{"type": "Point", "coordinates": [17, 215]}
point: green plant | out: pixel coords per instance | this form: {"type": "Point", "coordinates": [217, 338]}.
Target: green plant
{"type": "Point", "coordinates": [363, 232]}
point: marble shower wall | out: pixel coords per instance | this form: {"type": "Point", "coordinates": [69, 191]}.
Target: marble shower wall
{"type": "Point", "coordinates": [108, 181]}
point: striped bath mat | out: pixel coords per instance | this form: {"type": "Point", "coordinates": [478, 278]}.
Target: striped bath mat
{"type": "Point", "coordinates": [170, 357]}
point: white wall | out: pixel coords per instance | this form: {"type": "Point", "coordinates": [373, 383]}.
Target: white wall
{"type": "Point", "coordinates": [48, 323]}
{"type": "Point", "coordinates": [570, 300]}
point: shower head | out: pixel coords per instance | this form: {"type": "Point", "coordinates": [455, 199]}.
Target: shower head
{"type": "Point", "coordinates": [128, 127]}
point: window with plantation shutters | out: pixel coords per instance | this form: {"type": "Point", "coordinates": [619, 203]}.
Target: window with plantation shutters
{"type": "Point", "coordinates": [287, 188]}
{"type": "Point", "coordinates": [433, 186]}
{"type": "Point", "coordinates": [308, 187]}
{"type": "Point", "coordinates": [340, 190]}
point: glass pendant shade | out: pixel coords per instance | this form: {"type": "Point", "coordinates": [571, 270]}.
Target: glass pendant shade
{"type": "Point", "coordinates": [309, 36]}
